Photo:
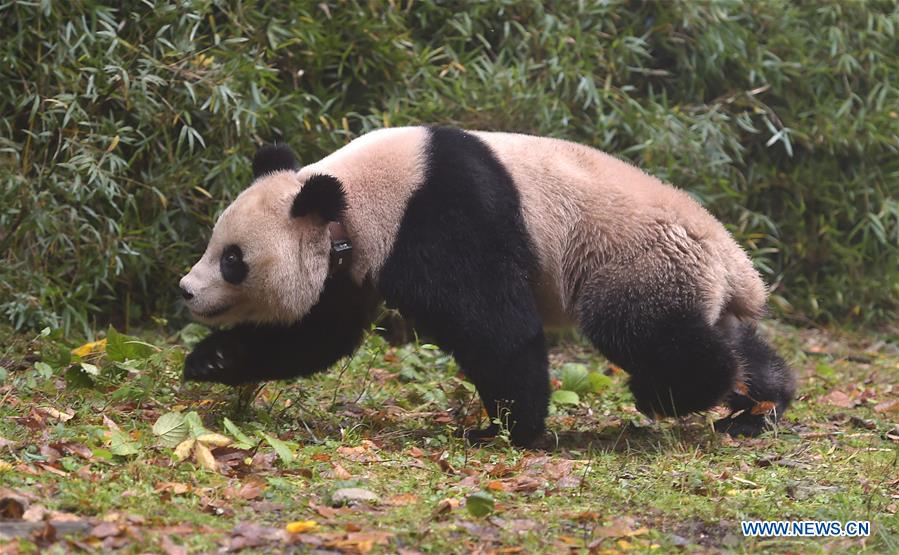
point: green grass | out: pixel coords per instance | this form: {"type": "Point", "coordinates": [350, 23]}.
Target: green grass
{"type": "Point", "coordinates": [607, 480]}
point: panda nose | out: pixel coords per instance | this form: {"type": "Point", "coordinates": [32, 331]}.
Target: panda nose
{"type": "Point", "coordinates": [186, 294]}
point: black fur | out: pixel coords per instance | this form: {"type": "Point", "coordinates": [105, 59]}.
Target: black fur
{"type": "Point", "coordinates": [234, 269]}
{"type": "Point", "coordinates": [322, 195]}
{"type": "Point", "coordinates": [678, 363]}
{"type": "Point", "coordinates": [252, 353]}
{"type": "Point", "coordinates": [768, 379]}
{"type": "Point", "coordinates": [273, 158]}
{"type": "Point", "coordinates": [460, 269]}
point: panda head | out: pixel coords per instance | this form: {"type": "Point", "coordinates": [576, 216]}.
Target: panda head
{"type": "Point", "coordinates": [268, 257]}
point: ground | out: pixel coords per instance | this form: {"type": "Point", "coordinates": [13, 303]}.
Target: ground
{"type": "Point", "coordinates": [107, 449]}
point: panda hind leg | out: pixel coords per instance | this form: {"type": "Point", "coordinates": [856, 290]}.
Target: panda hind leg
{"type": "Point", "coordinates": [767, 388]}
{"type": "Point", "coordinates": [683, 366]}
{"type": "Point", "coordinates": [678, 363]}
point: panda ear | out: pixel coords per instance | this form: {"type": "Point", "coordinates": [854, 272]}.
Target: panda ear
{"type": "Point", "coordinates": [273, 158]}
{"type": "Point", "coordinates": [321, 195]}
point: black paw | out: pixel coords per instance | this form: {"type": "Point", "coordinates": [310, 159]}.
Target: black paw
{"type": "Point", "coordinates": [215, 361]}
{"type": "Point", "coordinates": [748, 425]}
{"type": "Point", "coordinates": [478, 436]}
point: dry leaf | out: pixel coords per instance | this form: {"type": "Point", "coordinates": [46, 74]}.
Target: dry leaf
{"type": "Point", "coordinates": [56, 413]}
{"type": "Point", "coordinates": [338, 472]}
{"type": "Point", "coordinates": [301, 526]}
{"type": "Point", "coordinates": [763, 407]}
{"type": "Point", "coordinates": [887, 406]}
{"type": "Point", "coordinates": [620, 527]}
{"type": "Point", "coordinates": [838, 399]}
{"type": "Point", "coordinates": [183, 450]}
{"type": "Point", "coordinates": [496, 485]}
{"type": "Point", "coordinates": [204, 457]}
{"type": "Point", "coordinates": [177, 488]}
{"type": "Point", "coordinates": [401, 499]}
{"type": "Point", "coordinates": [215, 440]}
{"type": "Point", "coordinates": [110, 424]}
{"type": "Point", "coordinates": [91, 348]}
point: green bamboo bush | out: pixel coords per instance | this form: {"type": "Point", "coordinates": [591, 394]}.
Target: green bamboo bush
{"type": "Point", "coordinates": [125, 127]}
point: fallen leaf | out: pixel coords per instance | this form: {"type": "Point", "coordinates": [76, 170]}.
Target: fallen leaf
{"type": "Point", "coordinates": [183, 450]}
{"type": "Point", "coordinates": [171, 428]}
{"type": "Point", "coordinates": [177, 488]}
{"type": "Point", "coordinates": [216, 440]}
{"type": "Point", "coordinates": [106, 529]}
{"type": "Point", "coordinates": [495, 485]}
{"type": "Point", "coordinates": [445, 506]}
{"type": "Point", "coordinates": [171, 548]}
{"type": "Point", "coordinates": [11, 508]}
{"type": "Point", "coordinates": [110, 424]}
{"type": "Point", "coordinates": [401, 500]}
{"type": "Point", "coordinates": [204, 457]}
{"type": "Point", "coordinates": [620, 527]}
{"type": "Point", "coordinates": [57, 414]}
{"type": "Point", "coordinates": [301, 526]}
{"type": "Point", "coordinates": [247, 490]}
{"type": "Point", "coordinates": [338, 472]}
{"type": "Point", "coordinates": [93, 347]}
{"type": "Point", "coordinates": [838, 399]}
{"type": "Point", "coordinates": [763, 407]}
{"type": "Point", "coordinates": [887, 406]}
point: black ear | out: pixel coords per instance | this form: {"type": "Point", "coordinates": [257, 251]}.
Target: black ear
{"type": "Point", "coordinates": [273, 158]}
{"type": "Point", "coordinates": [322, 195]}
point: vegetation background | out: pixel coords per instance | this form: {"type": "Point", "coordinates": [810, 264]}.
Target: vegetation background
{"type": "Point", "coordinates": [126, 127]}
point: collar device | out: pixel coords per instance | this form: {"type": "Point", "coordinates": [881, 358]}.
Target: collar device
{"type": "Point", "coordinates": [341, 249]}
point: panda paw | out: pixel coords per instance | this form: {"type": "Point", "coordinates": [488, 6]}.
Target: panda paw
{"type": "Point", "coordinates": [747, 425]}
{"type": "Point", "coordinates": [478, 436]}
{"type": "Point", "coordinates": [216, 361]}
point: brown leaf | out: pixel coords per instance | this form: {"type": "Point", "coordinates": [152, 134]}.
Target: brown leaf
{"type": "Point", "coordinates": [887, 406]}
{"type": "Point", "coordinates": [177, 488]}
{"type": "Point", "coordinates": [11, 508]}
{"type": "Point", "coordinates": [445, 506]}
{"type": "Point", "coordinates": [741, 388]}
{"type": "Point", "coordinates": [107, 421]}
{"type": "Point", "coordinates": [763, 407]}
{"type": "Point", "coordinates": [106, 529]}
{"type": "Point", "coordinates": [838, 399]}
{"type": "Point", "coordinates": [622, 526]}
{"type": "Point", "coordinates": [247, 490]}
{"type": "Point", "coordinates": [495, 485]}
{"type": "Point", "coordinates": [72, 448]}
{"type": "Point", "coordinates": [338, 472]}
{"type": "Point", "coordinates": [171, 548]}
{"type": "Point", "coordinates": [401, 500]}
{"type": "Point", "coordinates": [361, 453]}
{"type": "Point", "coordinates": [62, 416]}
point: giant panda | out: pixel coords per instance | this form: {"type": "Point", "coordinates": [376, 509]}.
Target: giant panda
{"type": "Point", "coordinates": [484, 239]}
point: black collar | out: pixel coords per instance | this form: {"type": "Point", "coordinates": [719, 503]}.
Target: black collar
{"type": "Point", "coordinates": [341, 248]}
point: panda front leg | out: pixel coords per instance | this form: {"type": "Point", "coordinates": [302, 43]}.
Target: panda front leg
{"type": "Point", "coordinates": [514, 391]}
{"type": "Point", "coordinates": [250, 353]}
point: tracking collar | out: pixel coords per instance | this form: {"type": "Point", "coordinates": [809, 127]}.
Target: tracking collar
{"type": "Point", "coordinates": [341, 248]}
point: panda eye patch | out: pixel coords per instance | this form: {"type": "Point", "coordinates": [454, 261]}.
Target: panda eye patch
{"type": "Point", "coordinates": [234, 269]}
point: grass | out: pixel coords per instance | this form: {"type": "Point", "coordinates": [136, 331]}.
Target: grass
{"type": "Point", "coordinates": [608, 480]}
